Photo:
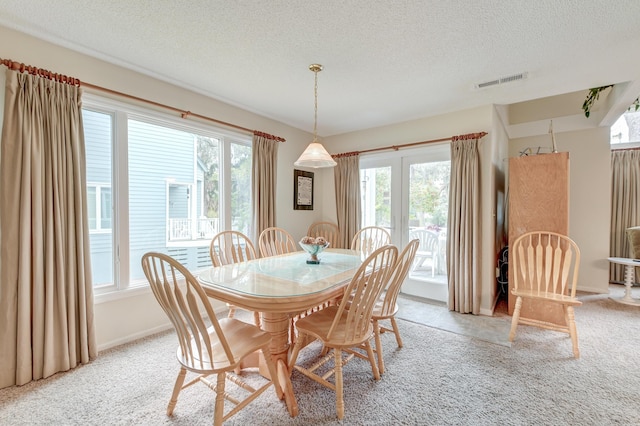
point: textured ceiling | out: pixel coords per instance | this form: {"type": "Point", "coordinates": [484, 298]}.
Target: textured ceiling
{"type": "Point", "coordinates": [384, 61]}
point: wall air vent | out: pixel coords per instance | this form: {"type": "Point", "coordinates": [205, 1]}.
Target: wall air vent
{"type": "Point", "coordinates": [502, 80]}
{"type": "Point", "coordinates": [487, 84]}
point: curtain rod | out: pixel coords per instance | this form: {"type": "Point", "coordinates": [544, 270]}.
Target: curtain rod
{"type": "Point", "coordinates": [406, 145]}
{"type": "Point", "coordinates": [625, 149]}
{"type": "Point", "coordinates": [18, 66]}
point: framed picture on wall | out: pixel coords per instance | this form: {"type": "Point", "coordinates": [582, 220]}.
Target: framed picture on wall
{"type": "Point", "coordinates": [302, 190]}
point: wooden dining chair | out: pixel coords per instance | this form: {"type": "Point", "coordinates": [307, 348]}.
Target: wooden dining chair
{"type": "Point", "coordinates": [229, 247]}
{"type": "Point", "coordinates": [386, 307]}
{"type": "Point", "coordinates": [370, 238]}
{"type": "Point", "coordinates": [545, 266]}
{"type": "Point", "coordinates": [207, 346]}
{"type": "Point", "coordinates": [274, 241]}
{"type": "Point", "coordinates": [346, 326]}
{"type": "Point", "coordinates": [331, 233]}
{"type": "Point", "coordinates": [328, 230]}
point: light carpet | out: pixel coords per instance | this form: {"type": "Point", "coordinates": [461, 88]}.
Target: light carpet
{"type": "Point", "coordinates": [438, 378]}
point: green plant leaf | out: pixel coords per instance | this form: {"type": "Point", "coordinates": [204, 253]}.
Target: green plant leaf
{"type": "Point", "coordinates": [592, 97]}
{"type": "Point", "coordinates": [594, 94]}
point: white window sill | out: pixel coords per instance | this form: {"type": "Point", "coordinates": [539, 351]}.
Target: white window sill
{"type": "Point", "coordinates": [110, 296]}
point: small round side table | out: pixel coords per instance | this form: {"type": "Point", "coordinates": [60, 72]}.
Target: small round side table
{"type": "Point", "coordinates": [629, 278]}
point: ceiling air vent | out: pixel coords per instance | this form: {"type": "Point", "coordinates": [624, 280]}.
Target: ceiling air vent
{"type": "Point", "coordinates": [502, 80]}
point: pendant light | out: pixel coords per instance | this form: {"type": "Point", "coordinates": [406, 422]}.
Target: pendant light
{"type": "Point", "coordinates": [315, 156]}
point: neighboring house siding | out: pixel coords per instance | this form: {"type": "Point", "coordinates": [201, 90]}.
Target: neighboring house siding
{"type": "Point", "coordinates": [161, 163]}
{"type": "Point", "coordinates": [97, 130]}
{"type": "Point", "coordinates": [156, 154]}
{"type": "Point", "coordinates": [198, 256]}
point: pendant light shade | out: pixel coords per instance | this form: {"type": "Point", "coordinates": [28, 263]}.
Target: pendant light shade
{"type": "Point", "coordinates": [315, 156]}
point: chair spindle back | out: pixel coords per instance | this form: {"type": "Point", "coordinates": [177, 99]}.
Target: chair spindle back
{"type": "Point", "coordinates": [184, 301]}
{"type": "Point", "coordinates": [362, 293]}
{"type": "Point", "coordinates": [546, 262]}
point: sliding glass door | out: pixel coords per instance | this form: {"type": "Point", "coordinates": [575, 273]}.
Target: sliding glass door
{"type": "Point", "coordinates": [407, 193]}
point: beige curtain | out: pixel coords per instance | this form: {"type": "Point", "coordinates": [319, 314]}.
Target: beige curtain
{"type": "Point", "coordinates": [347, 183]}
{"type": "Point", "coordinates": [263, 182]}
{"type": "Point", "coordinates": [463, 235]}
{"type": "Point", "coordinates": [46, 297]}
{"type": "Point", "coordinates": [625, 206]}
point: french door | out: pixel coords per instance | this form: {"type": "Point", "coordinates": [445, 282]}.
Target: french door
{"type": "Point", "coordinates": [407, 193]}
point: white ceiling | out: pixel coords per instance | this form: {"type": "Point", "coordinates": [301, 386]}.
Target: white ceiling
{"type": "Point", "coordinates": [385, 61]}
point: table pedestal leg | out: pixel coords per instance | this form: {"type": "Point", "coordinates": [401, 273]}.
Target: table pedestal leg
{"type": "Point", "coordinates": [278, 326]}
{"type": "Point", "coordinates": [629, 279]}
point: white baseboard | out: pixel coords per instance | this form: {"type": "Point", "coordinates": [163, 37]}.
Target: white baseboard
{"type": "Point", "coordinates": [596, 290]}
{"type": "Point", "coordinates": [489, 312]}
{"type": "Point", "coordinates": [142, 334]}
{"type": "Point", "coordinates": [135, 336]}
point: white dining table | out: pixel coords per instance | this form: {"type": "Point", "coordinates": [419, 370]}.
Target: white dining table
{"type": "Point", "coordinates": [281, 287]}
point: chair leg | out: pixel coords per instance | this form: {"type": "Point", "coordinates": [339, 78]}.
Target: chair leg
{"type": "Point", "coordinates": [177, 387]}
{"type": "Point", "coordinates": [256, 319]}
{"type": "Point", "coordinates": [338, 379]}
{"type": "Point", "coordinates": [218, 412]}
{"type": "Point", "coordinates": [296, 350]}
{"type": "Point", "coordinates": [396, 331]}
{"type": "Point", "coordinates": [515, 319]}
{"type": "Point", "coordinates": [372, 360]}
{"type": "Point", "coordinates": [272, 371]}
{"type": "Point", "coordinates": [376, 333]}
{"type": "Point", "coordinates": [232, 311]}
{"type": "Point", "coordinates": [433, 266]}
{"type": "Point", "coordinates": [324, 351]}
{"type": "Point", "coordinates": [417, 262]}
{"type": "Point", "coordinates": [573, 331]}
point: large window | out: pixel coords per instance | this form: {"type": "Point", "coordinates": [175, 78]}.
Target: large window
{"type": "Point", "coordinates": [159, 183]}
{"type": "Point", "coordinates": [627, 128]}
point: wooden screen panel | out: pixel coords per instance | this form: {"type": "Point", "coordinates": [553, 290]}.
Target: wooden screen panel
{"type": "Point", "coordinates": [538, 201]}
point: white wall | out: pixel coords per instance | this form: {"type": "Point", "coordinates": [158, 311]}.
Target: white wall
{"type": "Point", "coordinates": [589, 198]}
{"type": "Point", "coordinates": [494, 186]}
{"type": "Point", "coordinates": [120, 320]}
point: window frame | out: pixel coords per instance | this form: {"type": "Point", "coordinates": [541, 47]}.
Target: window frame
{"type": "Point", "coordinates": [98, 186]}
{"type": "Point", "coordinates": [121, 112]}
{"type": "Point", "coordinates": [627, 144]}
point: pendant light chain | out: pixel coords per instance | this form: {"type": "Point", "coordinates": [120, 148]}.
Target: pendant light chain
{"type": "Point", "coordinates": [315, 68]}
{"type": "Point", "coordinates": [315, 107]}
{"type": "Point", "coordinates": [315, 155]}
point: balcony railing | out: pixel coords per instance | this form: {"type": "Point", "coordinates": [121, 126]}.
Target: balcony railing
{"type": "Point", "coordinates": [192, 229]}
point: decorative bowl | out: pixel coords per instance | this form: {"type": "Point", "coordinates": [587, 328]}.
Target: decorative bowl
{"type": "Point", "coordinates": [314, 250]}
